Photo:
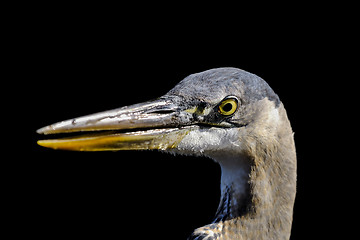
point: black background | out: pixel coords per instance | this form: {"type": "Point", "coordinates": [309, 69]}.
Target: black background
{"type": "Point", "coordinates": [76, 62]}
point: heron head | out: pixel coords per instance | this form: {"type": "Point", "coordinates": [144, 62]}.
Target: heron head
{"type": "Point", "coordinates": [205, 114]}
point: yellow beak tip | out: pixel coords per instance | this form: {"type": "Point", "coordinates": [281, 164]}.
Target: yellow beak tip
{"type": "Point", "coordinates": [41, 143]}
{"type": "Point", "coordinates": [45, 143]}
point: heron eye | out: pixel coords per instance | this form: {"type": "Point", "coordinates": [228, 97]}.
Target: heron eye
{"type": "Point", "coordinates": [228, 106]}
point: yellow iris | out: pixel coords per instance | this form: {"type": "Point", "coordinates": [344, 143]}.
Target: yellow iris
{"type": "Point", "coordinates": [228, 106]}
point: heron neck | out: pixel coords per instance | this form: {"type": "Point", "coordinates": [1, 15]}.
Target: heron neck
{"type": "Point", "coordinates": [258, 192]}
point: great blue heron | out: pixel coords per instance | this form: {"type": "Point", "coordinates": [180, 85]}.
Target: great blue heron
{"type": "Point", "coordinates": [226, 114]}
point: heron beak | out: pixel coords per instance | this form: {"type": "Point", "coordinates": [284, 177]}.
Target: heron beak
{"type": "Point", "coordinates": [158, 124]}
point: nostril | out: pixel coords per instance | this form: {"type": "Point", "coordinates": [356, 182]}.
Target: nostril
{"type": "Point", "coordinates": [165, 111]}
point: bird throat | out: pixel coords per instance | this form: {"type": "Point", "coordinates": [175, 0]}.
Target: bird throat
{"type": "Point", "coordinates": [235, 189]}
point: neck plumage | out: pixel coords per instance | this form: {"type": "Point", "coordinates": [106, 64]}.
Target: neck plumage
{"type": "Point", "coordinates": [235, 189]}
{"type": "Point", "coordinates": [256, 201]}
{"type": "Point", "coordinates": [257, 195]}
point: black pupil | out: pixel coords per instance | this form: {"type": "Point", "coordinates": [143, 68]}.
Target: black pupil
{"type": "Point", "coordinates": [227, 107]}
